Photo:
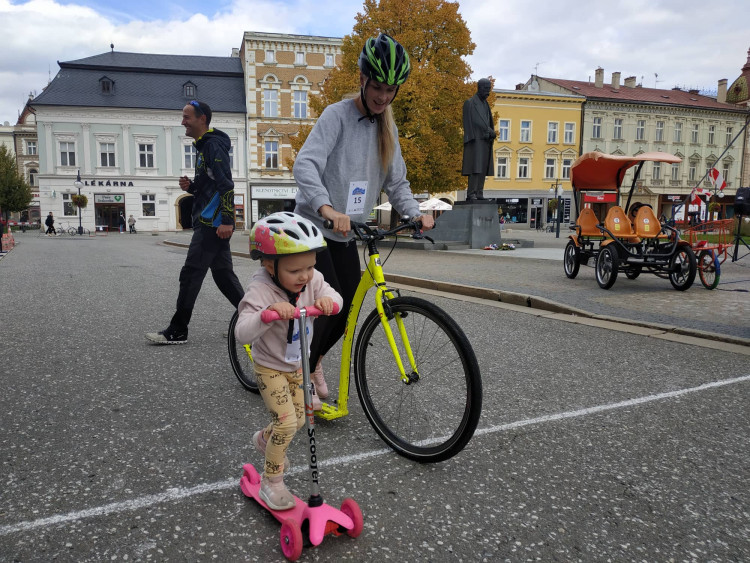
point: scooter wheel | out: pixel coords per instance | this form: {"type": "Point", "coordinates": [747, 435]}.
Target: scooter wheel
{"type": "Point", "coordinates": [352, 510]}
{"type": "Point", "coordinates": [291, 540]}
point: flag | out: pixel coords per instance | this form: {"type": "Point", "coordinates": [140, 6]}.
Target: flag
{"type": "Point", "coordinates": [717, 179]}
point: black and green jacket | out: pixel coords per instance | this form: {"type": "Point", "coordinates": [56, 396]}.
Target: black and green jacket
{"type": "Point", "coordinates": [212, 186]}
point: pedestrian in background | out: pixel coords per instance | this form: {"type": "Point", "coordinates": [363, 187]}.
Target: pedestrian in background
{"type": "Point", "coordinates": [131, 224]}
{"type": "Point", "coordinates": [50, 222]}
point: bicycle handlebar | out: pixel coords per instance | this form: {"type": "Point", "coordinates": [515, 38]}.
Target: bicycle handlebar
{"type": "Point", "coordinates": [269, 316]}
{"type": "Point", "coordinates": [364, 232]}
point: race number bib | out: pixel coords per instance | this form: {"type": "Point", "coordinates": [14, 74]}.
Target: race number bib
{"type": "Point", "coordinates": [293, 353]}
{"type": "Point", "coordinates": [355, 203]}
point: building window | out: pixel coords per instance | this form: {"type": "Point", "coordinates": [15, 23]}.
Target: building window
{"type": "Point", "coordinates": [272, 154]}
{"type": "Point", "coordinates": [231, 157]}
{"type": "Point", "coordinates": [566, 164]}
{"type": "Point", "coordinates": [678, 132]}
{"type": "Point", "coordinates": [596, 130]}
{"type": "Point", "coordinates": [711, 133]}
{"type": "Point", "coordinates": [191, 154]}
{"type": "Point", "coordinates": [656, 171]}
{"type": "Point", "coordinates": [270, 56]}
{"type": "Point", "coordinates": [552, 128]}
{"type": "Point", "coordinates": [107, 155]}
{"type": "Point", "coordinates": [300, 104]}
{"type": "Point", "coordinates": [32, 176]}
{"type": "Point", "coordinates": [67, 154]}
{"type": "Point", "coordinates": [693, 171]}
{"type": "Point", "coordinates": [299, 58]}
{"type": "Point", "coordinates": [145, 155]}
{"type": "Point", "coordinates": [503, 126]}
{"type": "Point", "coordinates": [329, 60]}
{"type": "Point", "coordinates": [108, 87]}
{"type": "Point", "coordinates": [189, 91]}
{"type": "Point", "coordinates": [659, 137]}
{"type": "Point", "coordinates": [31, 148]}
{"type": "Point", "coordinates": [69, 210]}
{"type": "Point", "coordinates": [640, 130]}
{"type": "Point", "coordinates": [617, 132]}
{"type": "Point", "coordinates": [523, 167]}
{"type": "Point", "coordinates": [725, 173]}
{"type": "Point", "coordinates": [694, 134]}
{"type": "Point", "coordinates": [525, 131]}
{"type": "Point", "coordinates": [675, 171]}
{"type": "Point", "coordinates": [729, 137]}
{"type": "Point", "coordinates": [270, 103]}
{"type": "Point", "coordinates": [148, 205]}
{"type": "Point", "coordinates": [570, 132]}
{"type": "Point", "coordinates": [502, 166]}
{"type": "Point", "coordinates": [549, 168]}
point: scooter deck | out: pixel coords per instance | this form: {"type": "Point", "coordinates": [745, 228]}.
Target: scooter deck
{"type": "Point", "coordinates": [321, 520]}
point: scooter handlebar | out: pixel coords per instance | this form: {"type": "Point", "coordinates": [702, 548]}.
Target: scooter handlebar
{"type": "Point", "coordinates": [269, 316]}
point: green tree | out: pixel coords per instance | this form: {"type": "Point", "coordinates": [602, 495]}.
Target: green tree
{"type": "Point", "coordinates": [15, 193]}
{"type": "Point", "coordinates": [428, 107]}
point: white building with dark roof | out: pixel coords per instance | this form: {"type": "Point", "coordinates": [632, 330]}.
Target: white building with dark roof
{"type": "Point", "coordinates": [116, 118]}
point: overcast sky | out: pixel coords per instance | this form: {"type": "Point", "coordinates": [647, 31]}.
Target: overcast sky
{"type": "Point", "coordinates": [687, 43]}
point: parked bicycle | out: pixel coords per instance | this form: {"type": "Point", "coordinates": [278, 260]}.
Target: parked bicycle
{"type": "Point", "coordinates": [416, 374]}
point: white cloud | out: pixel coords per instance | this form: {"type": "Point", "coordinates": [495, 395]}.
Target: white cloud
{"type": "Point", "coordinates": [687, 42]}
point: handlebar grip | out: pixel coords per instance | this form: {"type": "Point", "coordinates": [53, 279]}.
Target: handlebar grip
{"type": "Point", "coordinates": [269, 316]}
{"type": "Point", "coordinates": [328, 224]}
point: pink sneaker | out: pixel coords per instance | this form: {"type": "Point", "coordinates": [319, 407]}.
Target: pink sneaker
{"type": "Point", "coordinates": [318, 380]}
{"type": "Point", "coordinates": [274, 493]}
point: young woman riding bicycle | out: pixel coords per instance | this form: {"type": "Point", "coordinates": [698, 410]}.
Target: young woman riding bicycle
{"type": "Point", "coordinates": [352, 154]}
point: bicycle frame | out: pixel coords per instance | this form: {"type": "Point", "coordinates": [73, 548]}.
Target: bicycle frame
{"type": "Point", "coordinates": [372, 277]}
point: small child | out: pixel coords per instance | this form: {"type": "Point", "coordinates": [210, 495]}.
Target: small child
{"type": "Point", "coordinates": [286, 245]}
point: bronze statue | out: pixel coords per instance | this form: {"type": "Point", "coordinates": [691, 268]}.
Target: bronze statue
{"type": "Point", "coordinates": [479, 135]}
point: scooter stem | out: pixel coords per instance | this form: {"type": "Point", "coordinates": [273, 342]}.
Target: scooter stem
{"type": "Point", "coordinates": [316, 499]}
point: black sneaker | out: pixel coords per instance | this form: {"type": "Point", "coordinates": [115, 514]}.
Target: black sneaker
{"type": "Point", "coordinates": [167, 336]}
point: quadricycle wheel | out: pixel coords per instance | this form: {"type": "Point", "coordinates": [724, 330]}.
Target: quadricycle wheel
{"type": "Point", "coordinates": [606, 267]}
{"type": "Point", "coordinates": [570, 259]}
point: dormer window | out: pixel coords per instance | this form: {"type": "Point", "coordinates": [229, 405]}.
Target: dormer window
{"type": "Point", "coordinates": [188, 90]}
{"type": "Point", "coordinates": [107, 86]}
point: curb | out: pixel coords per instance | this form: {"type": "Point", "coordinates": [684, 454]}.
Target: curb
{"type": "Point", "coordinates": [535, 302]}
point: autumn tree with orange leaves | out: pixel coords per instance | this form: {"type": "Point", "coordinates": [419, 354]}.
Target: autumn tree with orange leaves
{"type": "Point", "coordinates": [428, 107]}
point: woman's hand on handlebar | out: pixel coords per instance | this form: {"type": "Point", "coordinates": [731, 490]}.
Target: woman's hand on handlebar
{"type": "Point", "coordinates": [428, 222]}
{"type": "Point", "coordinates": [341, 222]}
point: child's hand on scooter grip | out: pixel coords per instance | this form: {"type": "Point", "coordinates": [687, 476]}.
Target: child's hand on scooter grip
{"type": "Point", "coordinates": [284, 310]}
{"type": "Point", "coordinates": [325, 304]}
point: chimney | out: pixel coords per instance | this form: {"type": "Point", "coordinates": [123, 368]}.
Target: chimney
{"type": "Point", "coordinates": [599, 78]}
{"type": "Point", "coordinates": [615, 80]}
{"type": "Point", "coordinates": [520, 86]}
{"type": "Point", "coordinates": [721, 95]}
{"type": "Point", "coordinates": [630, 82]}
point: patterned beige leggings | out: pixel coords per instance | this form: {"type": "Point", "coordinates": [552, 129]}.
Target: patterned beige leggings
{"type": "Point", "coordinates": [285, 400]}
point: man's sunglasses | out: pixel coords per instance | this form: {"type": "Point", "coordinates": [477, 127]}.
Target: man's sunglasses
{"type": "Point", "coordinates": [197, 106]}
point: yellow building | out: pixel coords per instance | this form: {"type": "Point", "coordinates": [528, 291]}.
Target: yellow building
{"type": "Point", "coordinates": [538, 139]}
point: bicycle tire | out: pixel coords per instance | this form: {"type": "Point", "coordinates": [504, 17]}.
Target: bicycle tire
{"type": "Point", "coordinates": [241, 359]}
{"type": "Point", "coordinates": [709, 268]}
{"type": "Point", "coordinates": [416, 419]}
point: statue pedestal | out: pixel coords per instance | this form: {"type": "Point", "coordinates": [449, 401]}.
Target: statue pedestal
{"type": "Point", "coordinates": [474, 224]}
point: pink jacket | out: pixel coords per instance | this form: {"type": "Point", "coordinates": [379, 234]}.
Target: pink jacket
{"type": "Point", "coordinates": [269, 340]}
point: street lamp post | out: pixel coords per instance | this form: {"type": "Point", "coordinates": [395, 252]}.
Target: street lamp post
{"type": "Point", "coordinates": [557, 190]}
{"type": "Point", "coordinates": [78, 184]}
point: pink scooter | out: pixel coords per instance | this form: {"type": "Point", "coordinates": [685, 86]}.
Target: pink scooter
{"type": "Point", "coordinates": [321, 519]}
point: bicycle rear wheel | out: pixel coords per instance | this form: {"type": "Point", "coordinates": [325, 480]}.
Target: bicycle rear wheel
{"type": "Point", "coordinates": [241, 358]}
{"type": "Point", "coordinates": [434, 416]}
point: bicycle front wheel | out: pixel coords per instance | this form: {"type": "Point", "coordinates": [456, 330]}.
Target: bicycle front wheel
{"type": "Point", "coordinates": [433, 416]}
{"type": "Point", "coordinates": [241, 358]}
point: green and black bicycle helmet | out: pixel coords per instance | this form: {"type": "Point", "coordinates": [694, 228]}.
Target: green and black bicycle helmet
{"type": "Point", "coordinates": [385, 60]}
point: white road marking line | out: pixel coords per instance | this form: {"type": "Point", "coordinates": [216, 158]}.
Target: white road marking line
{"type": "Point", "coordinates": [181, 493]}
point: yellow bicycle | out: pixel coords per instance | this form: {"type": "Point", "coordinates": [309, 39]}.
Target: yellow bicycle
{"type": "Point", "coordinates": [416, 373]}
